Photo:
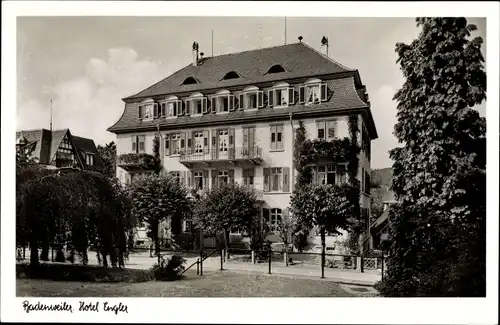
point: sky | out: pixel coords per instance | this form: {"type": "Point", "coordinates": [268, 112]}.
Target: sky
{"type": "Point", "coordinates": [85, 65]}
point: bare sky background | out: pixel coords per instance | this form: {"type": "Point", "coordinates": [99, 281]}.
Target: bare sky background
{"type": "Point", "coordinates": [87, 64]}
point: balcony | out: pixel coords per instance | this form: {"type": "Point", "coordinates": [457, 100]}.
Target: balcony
{"type": "Point", "coordinates": [135, 161]}
{"type": "Point", "coordinates": [252, 155]}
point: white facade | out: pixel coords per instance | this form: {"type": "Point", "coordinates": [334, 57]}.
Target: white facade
{"type": "Point", "coordinates": [272, 157]}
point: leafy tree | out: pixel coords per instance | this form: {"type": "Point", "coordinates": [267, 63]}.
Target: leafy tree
{"type": "Point", "coordinates": [323, 206]}
{"type": "Point", "coordinates": [286, 227]}
{"type": "Point", "coordinates": [227, 207]}
{"type": "Point", "coordinates": [108, 157]}
{"type": "Point", "coordinates": [156, 199]}
{"type": "Point", "coordinates": [80, 207]}
{"type": "Point", "coordinates": [438, 230]}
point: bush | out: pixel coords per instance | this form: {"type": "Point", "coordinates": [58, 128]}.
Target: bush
{"type": "Point", "coordinates": [71, 272]}
{"type": "Point", "coordinates": [169, 269]}
{"type": "Point", "coordinates": [184, 241]}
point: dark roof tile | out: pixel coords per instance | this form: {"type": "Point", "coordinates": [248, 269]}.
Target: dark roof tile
{"type": "Point", "coordinates": [298, 60]}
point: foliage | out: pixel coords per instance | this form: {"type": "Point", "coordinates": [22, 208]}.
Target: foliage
{"type": "Point", "coordinates": [323, 206]}
{"type": "Point", "coordinates": [227, 207]}
{"type": "Point", "coordinates": [81, 273]}
{"type": "Point", "coordinates": [169, 269]}
{"type": "Point", "coordinates": [438, 230]}
{"type": "Point", "coordinates": [307, 152]}
{"type": "Point", "coordinates": [286, 227]}
{"type": "Point", "coordinates": [80, 207]}
{"type": "Point", "coordinates": [108, 157]}
{"type": "Point", "coordinates": [156, 154]}
{"type": "Point", "coordinates": [142, 160]}
{"type": "Point", "coordinates": [157, 199]}
{"type": "Point", "coordinates": [184, 241]}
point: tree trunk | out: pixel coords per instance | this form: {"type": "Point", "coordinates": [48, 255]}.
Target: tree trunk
{"type": "Point", "coordinates": [44, 256]}
{"type": "Point", "coordinates": [154, 233]}
{"type": "Point", "coordinates": [34, 253]}
{"type": "Point", "coordinates": [104, 260]}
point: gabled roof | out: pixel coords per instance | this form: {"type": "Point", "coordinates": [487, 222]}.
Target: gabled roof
{"type": "Point", "coordinates": [88, 147]}
{"type": "Point", "coordinates": [47, 142]}
{"type": "Point", "coordinates": [298, 60]}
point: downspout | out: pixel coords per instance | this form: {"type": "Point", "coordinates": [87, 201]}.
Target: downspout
{"type": "Point", "coordinates": [292, 183]}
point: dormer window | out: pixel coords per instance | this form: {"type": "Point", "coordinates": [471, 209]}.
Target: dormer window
{"type": "Point", "coordinates": [251, 98]}
{"type": "Point", "coordinates": [190, 81]}
{"type": "Point", "coordinates": [171, 107]}
{"type": "Point", "coordinates": [231, 75]}
{"type": "Point", "coordinates": [89, 159]}
{"type": "Point", "coordinates": [222, 102]}
{"type": "Point", "coordinates": [148, 109]}
{"type": "Point", "coordinates": [313, 92]}
{"type": "Point", "coordinates": [276, 69]}
{"type": "Point", "coordinates": [196, 104]}
{"type": "Point", "coordinates": [281, 95]}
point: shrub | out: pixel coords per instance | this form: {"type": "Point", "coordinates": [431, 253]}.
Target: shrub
{"type": "Point", "coordinates": [71, 272]}
{"type": "Point", "coordinates": [169, 269]}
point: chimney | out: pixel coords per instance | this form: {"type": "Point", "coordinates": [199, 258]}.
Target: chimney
{"type": "Point", "coordinates": [195, 54]}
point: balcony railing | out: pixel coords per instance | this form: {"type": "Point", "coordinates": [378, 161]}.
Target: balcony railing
{"type": "Point", "coordinates": [135, 160]}
{"type": "Point", "coordinates": [252, 154]}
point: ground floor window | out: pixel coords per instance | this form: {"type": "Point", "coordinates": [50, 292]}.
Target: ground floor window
{"type": "Point", "coordinates": [275, 219]}
{"type": "Point", "coordinates": [198, 180]}
{"type": "Point", "coordinates": [223, 177]}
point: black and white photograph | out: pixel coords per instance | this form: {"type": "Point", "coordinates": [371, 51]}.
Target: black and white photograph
{"type": "Point", "coordinates": [167, 153]}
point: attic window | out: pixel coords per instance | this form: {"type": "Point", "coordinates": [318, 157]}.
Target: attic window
{"type": "Point", "coordinates": [190, 81]}
{"type": "Point", "coordinates": [276, 69]}
{"type": "Point", "coordinates": [231, 75]}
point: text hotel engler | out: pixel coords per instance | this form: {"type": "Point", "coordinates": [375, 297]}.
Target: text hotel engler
{"type": "Point", "coordinates": [83, 306]}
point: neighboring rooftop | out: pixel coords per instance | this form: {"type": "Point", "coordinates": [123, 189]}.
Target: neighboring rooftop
{"type": "Point", "coordinates": [254, 66]}
{"type": "Point", "coordinates": [45, 144]}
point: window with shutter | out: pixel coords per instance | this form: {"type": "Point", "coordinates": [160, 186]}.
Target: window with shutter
{"type": "Point", "coordinates": [331, 129]}
{"type": "Point", "coordinates": [320, 125]}
{"type": "Point", "coordinates": [266, 179]}
{"type": "Point", "coordinates": [273, 137]}
{"type": "Point", "coordinates": [167, 145]}
{"type": "Point", "coordinates": [241, 102]}
{"type": "Point", "coordinates": [260, 99]}
{"type": "Point", "coordinates": [270, 96]}
{"type": "Point", "coordinates": [324, 92]}
{"type": "Point", "coordinates": [286, 179]}
{"type": "Point", "coordinates": [134, 144]}
{"type": "Point", "coordinates": [302, 94]}
{"type": "Point", "coordinates": [279, 137]}
{"type": "Point", "coordinates": [142, 145]}
{"type": "Point", "coordinates": [291, 96]}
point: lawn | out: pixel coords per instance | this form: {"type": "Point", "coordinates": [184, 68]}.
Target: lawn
{"type": "Point", "coordinates": [212, 284]}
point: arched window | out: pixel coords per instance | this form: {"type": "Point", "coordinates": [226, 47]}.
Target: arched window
{"type": "Point", "coordinates": [222, 101]}
{"type": "Point", "coordinates": [251, 98]}
{"type": "Point", "coordinates": [171, 107]}
{"type": "Point", "coordinates": [196, 104]}
{"type": "Point", "coordinates": [276, 69]}
{"type": "Point", "coordinates": [281, 95]}
{"type": "Point", "coordinates": [313, 91]}
{"type": "Point", "coordinates": [231, 75]}
{"type": "Point", "coordinates": [190, 81]}
{"type": "Point", "coordinates": [148, 109]}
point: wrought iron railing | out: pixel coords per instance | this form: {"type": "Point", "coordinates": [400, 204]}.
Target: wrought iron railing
{"type": "Point", "coordinates": [240, 153]}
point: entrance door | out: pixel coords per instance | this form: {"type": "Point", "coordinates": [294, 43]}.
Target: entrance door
{"type": "Point", "coordinates": [223, 144]}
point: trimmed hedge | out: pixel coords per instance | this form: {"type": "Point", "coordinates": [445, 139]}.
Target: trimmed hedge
{"type": "Point", "coordinates": [70, 272]}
